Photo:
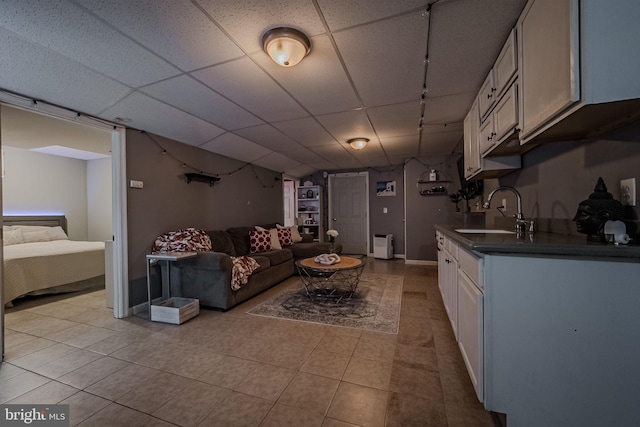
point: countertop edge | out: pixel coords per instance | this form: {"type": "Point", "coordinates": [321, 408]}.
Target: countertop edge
{"type": "Point", "coordinates": [540, 244]}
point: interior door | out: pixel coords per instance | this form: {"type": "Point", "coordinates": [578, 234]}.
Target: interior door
{"type": "Point", "coordinates": [348, 211]}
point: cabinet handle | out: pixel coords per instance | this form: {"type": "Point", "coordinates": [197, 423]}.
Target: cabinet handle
{"type": "Point", "coordinates": [489, 95]}
{"type": "Point", "coordinates": [489, 138]}
{"type": "Point", "coordinates": [493, 89]}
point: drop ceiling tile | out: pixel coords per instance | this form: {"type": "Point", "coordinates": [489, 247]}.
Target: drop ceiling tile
{"type": "Point", "coordinates": [399, 160]}
{"type": "Point", "coordinates": [277, 162]}
{"type": "Point", "coordinates": [401, 146]}
{"type": "Point", "coordinates": [246, 22]}
{"type": "Point", "coordinates": [349, 164]}
{"type": "Point", "coordinates": [269, 137]}
{"type": "Point", "coordinates": [390, 51]}
{"type": "Point", "coordinates": [319, 82]}
{"type": "Point", "coordinates": [439, 143]}
{"type": "Point", "coordinates": [189, 95]}
{"type": "Point", "coordinates": [332, 152]}
{"type": "Point", "coordinates": [307, 131]}
{"type": "Point", "coordinates": [346, 125]}
{"type": "Point", "coordinates": [144, 113]}
{"type": "Point", "coordinates": [176, 30]}
{"type": "Point", "coordinates": [236, 147]}
{"type": "Point", "coordinates": [448, 109]}
{"type": "Point", "coordinates": [71, 31]}
{"type": "Point", "coordinates": [463, 48]}
{"type": "Point", "coordinates": [31, 70]}
{"type": "Point", "coordinates": [447, 127]}
{"type": "Point", "coordinates": [376, 162]}
{"type": "Point", "coordinates": [301, 170]}
{"type": "Point", "coordinates": [246, 84]}
{"type": "Point", "coordinates": [304, 155]}
{"type": "Point", "coordinates": [396, 120]}
{"type": "Point", "coordinates": [340, 14]}
{"type": "Point", "coordinates": [323, 166]}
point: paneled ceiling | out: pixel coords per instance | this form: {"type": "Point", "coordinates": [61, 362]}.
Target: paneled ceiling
{"type": "Point", "coordinates": [194, 71]}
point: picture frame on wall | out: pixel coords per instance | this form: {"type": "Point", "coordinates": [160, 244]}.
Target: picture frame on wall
{"type": "Point", "coordinates": [386, 188]}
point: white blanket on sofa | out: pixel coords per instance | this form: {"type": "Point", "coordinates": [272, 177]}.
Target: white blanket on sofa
{"type": "Point", "coordinates": [243, 266]}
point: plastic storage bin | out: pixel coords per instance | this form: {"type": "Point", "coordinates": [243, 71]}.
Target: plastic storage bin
{"type": "Point", "coordinates": [383, 246]}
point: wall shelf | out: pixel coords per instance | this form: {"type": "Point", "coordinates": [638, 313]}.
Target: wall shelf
{"type": "Point", "coordinates": [201, 178]}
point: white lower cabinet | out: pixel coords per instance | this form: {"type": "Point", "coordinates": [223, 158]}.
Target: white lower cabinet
{"type": "Point", "coordinates": [471, 330]}
{"type": "Point", "coordinates": [448, 279]}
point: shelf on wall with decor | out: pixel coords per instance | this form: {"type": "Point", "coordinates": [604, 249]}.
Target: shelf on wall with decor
{"type": "Point", "coordinates": [309, 206]}
{"type": "Point", "coordinates": [433, 183]}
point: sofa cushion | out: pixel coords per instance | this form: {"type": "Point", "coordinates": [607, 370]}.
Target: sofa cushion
{"type": "Point", "coordinates": [276, 257]}
{"type": "Point", "coordinates": [221, 242]}
{"type": "Point", "coordinates": [259, 241]}
{"type": "Point", "coordinates": [310, 250]}
{"type": "Point", "coordinates": [188, 239]}
{"type": "Point", "coordinates": [264, 262]}
{"type": "Point", "coordinates": [240, 238]}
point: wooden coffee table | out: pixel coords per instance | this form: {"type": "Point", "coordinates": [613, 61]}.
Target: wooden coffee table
{"type": "Point", "coordinates": [337, 281]}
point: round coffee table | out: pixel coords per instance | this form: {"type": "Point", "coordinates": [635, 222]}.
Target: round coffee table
{"type": "Point", "coordinates": [337, 281]}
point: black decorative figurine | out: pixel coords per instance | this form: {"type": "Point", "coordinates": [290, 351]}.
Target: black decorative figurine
{"type": "Point", "coordinates": [594, 212]}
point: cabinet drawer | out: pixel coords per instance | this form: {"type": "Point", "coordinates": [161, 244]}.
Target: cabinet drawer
{"type": "Point", "coordinates": [472, 266]}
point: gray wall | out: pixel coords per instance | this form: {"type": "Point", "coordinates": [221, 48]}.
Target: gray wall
{"type": "Point", "coordinates": [41, 184]}
{"type": "Point", "coordinates": [249, 196]}
{"type": "Point", "coordinates": [555, 177]}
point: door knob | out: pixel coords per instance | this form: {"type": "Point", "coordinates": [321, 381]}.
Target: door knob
{"type": "Point", "coordinates": [333, 219]}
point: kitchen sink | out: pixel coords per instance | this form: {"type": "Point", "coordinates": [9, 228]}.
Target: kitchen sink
{"type": "Point", "coordinates": [483, 231]}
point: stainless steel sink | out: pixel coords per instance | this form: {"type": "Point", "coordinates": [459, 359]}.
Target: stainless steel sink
{"type": "Point", "coordinates": [483, 231]}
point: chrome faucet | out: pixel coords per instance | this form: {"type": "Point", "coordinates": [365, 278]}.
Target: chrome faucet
{"type": "Point", "coordinates": [521, 223]}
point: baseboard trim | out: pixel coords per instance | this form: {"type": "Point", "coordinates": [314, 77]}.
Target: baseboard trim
{"type": "Point", "coordinates": [421, 262]}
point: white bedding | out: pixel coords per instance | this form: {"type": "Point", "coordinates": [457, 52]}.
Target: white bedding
{"type": "Point", "coordinates": [30, 267]}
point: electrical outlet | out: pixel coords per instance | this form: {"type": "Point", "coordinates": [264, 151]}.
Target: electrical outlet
{"type": "Point", "coordinates": [628, 192]}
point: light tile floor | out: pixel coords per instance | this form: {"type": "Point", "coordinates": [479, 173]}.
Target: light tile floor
{"type": "Point", "coordinates": [235, 369]}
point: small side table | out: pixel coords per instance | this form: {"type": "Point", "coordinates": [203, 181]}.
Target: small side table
{"type": "Point", "coordinates": [330, 281]}
{"type": "Point", "coordinates": [167, 257]}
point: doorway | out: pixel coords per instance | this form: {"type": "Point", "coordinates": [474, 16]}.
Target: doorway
{"type": "Point", "coordinates": [348, 213]}
{"type": "Point", "coordinates": [111, 204]}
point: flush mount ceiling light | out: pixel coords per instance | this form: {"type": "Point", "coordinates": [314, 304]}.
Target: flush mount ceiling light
{"type": "Point", "coordinates": [358, 143]}
{"type": "Point", "coordinates": [286, 46]}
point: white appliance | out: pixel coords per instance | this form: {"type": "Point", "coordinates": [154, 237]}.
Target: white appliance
{"type": "Point", "coordinates": [383, 246]}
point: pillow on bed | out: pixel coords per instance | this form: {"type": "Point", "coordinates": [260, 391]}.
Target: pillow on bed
{"type": "Point", "coordinates": [32, 236]}
{"type": "Point", "coordinates": [12, 236]}
{"type": "Point", "coordinates": [57, 233]}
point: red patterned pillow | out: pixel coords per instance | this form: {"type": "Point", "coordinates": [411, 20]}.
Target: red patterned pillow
{"type": "Point", "coordinates": [284, 236]}
{"type": "Point", "coordinates": [260, 241]}
{"type": "Point", "coordinates": [189, 239]}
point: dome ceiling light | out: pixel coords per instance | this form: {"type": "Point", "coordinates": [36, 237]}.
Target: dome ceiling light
{"type": "Point", "coordinates": [358, 143]}
{"type": "Point", "coordinates": [286, 46]}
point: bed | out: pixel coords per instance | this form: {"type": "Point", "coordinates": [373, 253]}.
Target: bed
{"type": "Point", "coordinates": [39, 258]}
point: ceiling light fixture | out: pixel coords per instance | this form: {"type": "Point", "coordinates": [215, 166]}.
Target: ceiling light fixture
{"type": "Point", "coordinates": [358, 143]}
{"type": "Point", "coordinates": [286, 46]}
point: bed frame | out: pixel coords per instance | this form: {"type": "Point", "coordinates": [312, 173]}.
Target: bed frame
{"type": "Point", "coordinates": [45, 220]}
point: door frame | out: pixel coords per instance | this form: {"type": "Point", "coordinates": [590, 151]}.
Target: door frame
{"type": "Point", "coordinates": [119, 195]}
{"type": "Point", "coordinates": [366, 190]}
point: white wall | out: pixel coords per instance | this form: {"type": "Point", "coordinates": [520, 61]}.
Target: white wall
{"type": "Point", "coordinates": [41, 184]}
{"type": "Point", "coordinates": [99, 199]}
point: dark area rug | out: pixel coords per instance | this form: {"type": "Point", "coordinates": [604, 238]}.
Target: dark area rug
{"type": "Point", "coordinates": [375, 306]}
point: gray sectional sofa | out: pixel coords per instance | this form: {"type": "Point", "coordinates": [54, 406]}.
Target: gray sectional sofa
{"type": "Point", "coordinates": [208, 275]}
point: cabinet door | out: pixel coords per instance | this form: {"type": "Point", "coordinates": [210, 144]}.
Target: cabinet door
{"type": "Point", "coordinates": [505, 115]}
{"type": "Point", "coordinates": [442, 271]}
{"type": "Point", "coordinates": [487, 95]}
{"type": "Point", "coordinates": [506, 65]}
{"type": "Point", "coordinates": [452, 294]}
{"type": "Point", "coordinates": [471, 330]}
{"type": "Point", "coordinates": [486, 138]}
{"type": "Point", "coordinates": [471, 150]}
{"type": "Point", "coordinates": [549, 62]}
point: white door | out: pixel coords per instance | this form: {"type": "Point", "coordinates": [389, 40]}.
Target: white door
{"type": "Point", "coordinates": [348, 201]}
{"type": "Point", "coordinates": [289, 197]}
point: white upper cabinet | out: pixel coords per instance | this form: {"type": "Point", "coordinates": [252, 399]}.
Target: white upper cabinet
{"type": "Point", "coordinates": [506, 65]}
{"type": "Point", "coordinates": [471, 150]}
{"type": "Point", "coordinates": [487, 95]}
{"type": "Point", "coordinates": [577, 69]}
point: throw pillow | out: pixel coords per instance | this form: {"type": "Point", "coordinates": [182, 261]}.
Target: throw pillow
{"type": "Point", "coordinates": [57, 233]}
{"type": "Point", "coordinates": [284, 236]}
{"type": "Point", "coordinates": [35, 236]}
{"type": "Point", "coordinates": [275, 239]}
{"type": "Point", "coordinates": [295, 234]}
{"type": "Point", "coordinates": [259, 241]}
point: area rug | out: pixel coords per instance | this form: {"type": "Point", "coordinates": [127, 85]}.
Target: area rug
{"type": "Point", "coordinates": [375, 306]}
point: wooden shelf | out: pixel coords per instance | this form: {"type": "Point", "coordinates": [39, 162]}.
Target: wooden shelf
{"type": "Point", "coordinates": [201, 178]}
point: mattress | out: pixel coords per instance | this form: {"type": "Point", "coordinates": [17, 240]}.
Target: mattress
{"type": "Point", "coordinates": [35, 266]}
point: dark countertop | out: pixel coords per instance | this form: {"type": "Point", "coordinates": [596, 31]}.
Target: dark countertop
{"type": "Point", "coordinates": [539, 244]}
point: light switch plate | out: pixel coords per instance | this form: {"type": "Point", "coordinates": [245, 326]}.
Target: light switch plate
{"type": "Point", "coordinates": [136, 184]}
{"type": "Point", "coordinates": [628, 192]}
